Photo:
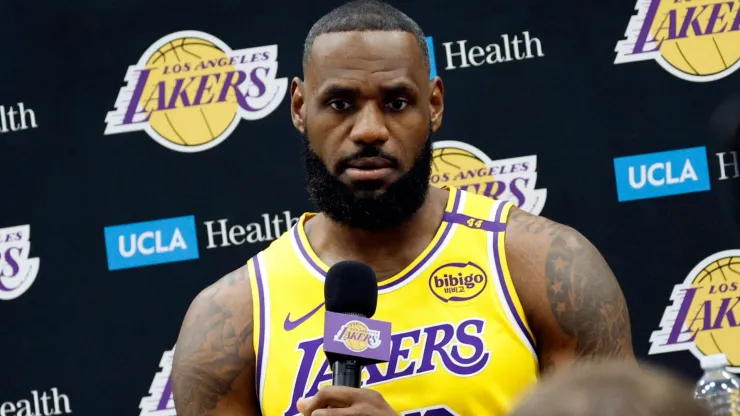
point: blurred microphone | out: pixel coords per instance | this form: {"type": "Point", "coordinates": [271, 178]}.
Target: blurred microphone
{"type": "Point", "coordinates": [351, 339]}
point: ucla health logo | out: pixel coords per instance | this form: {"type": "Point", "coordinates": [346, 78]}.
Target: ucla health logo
{"type": "Point", "coordinates": [152, 242]}
{"type": "Point", "coordinates": [659, 174]}
{"type": "Point", "coordinates": [189, 91]}
{"type": "Point", "coordinates": [17, 269]}
{"type": "Point", "coordinates": [697, 40]}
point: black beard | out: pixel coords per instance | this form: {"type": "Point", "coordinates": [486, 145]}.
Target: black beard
{"type": "Point", "coordinates": [362, 208]}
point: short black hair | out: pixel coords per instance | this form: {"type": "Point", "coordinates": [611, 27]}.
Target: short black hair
{"type": "Point", "coordinates": [365, 16]}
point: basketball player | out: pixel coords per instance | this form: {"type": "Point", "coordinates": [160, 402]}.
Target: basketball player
{"type": "Point", "coordinates": [543, 295]}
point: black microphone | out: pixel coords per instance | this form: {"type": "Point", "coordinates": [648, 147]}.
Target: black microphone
{"type": "Point", "coordinates": [351, 288]}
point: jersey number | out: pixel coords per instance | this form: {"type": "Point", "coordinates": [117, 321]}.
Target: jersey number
{"type": "Point", "coordinates": [431, 411]}
{"type": "Point", "coordinates": [473, 223]}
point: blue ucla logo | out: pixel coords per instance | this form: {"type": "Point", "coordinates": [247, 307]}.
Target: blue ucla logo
{"type": "Point", "coordinates": [152, 242]}
{"type": "Point", "coordinates": [432, 61]}
{"type": "Point", "coordinates": [659, 174]}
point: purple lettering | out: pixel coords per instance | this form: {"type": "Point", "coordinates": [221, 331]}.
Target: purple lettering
{"type": "Point", "coordinates": [736, 22]}
{"type": "Point", "coordinates": [180, 92]}
{"type": "Point", "coordinates": [642, 38]}
{"type": "Point", "coordinates": [323, 375]}
{"type": "Point", "coordinates": [230, 83]}
{"type": "Point", "coordinates": [261, 88]}
{"type": "Point", "coordinates": [432, 345]}
{"type": "Point", "coordinates": [128, 118]}
{"type": "Point", "coordinates": [166, 394]}
{"type": "Point", "coordinates": [717, 17]}
{"type": "Point", "coordinates": [12, 262]}
{"type": "Point", "coordinates": [726, 311]}
{"type": "Point", "coordinates": [398, 353]}
{"type": "Point", "coordinates": [499, 187]}
{"type": "Point", "coordinates": [203, 87]}
{"type": "Point", "coordinates": [706, 318]}
{"type": "Point", "coordinates": [310, 350]}
{"type": "Point", "coordinates": [480, 357]}
{"type": "Point", "coordinates": [683, 311]}
{"type": "Point", "coordinates": [517, 191]}
{"type": "Point", "coordinates": [438, 339]}
{"type": "Point", "coordinates": [693, 21]}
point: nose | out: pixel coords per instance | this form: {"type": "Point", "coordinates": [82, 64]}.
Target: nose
{"type": "Point", "coordinates": [369, 127]}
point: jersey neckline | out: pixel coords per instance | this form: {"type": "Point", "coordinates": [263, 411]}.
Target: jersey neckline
{"type": "Point", "coordinates": [318, 268]}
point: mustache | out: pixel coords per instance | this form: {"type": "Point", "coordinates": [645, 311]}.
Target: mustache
{"type": "Point", "coordinates": [367, 151]}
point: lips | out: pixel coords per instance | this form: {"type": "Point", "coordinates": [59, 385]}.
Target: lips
{"type": "Point", "coordinates": [370, 163]}
{"type": "Point", "coordinates": [369, 169]}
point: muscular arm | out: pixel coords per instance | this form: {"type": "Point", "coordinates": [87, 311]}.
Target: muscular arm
{"type": "Point", "coordinates": [213, 370]}
{"type": "Point", "coordinates": [570, 296]}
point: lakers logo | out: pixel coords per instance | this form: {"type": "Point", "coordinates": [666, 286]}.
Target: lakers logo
{"type": "Point", "coordinates": [356, 336]}
{"type": "Point", "coordinates": [189, 91]}
{"type": "Point", "coordinates": [697, 40]}
{"type": "Point", "coordinates": [464, 166]}
{"type": "Point", "coordinates": [705, 315]}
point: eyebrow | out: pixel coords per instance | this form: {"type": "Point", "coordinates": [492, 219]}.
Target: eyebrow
{"type": "Point", "coordinates": [394, 88]}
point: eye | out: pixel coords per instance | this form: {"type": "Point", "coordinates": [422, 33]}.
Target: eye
{"type": "Point", "coordinates": [339, 105]}
{"type": "Point", "coordinates": [397, 104]}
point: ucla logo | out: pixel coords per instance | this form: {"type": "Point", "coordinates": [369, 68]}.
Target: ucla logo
{"type": "Point", "coordinates": [659, 174]}
{"type": "Point", "coordinates": [703, 317]}
{"type": "Point", "coordinates": [695, 40]}
{"type": "Point", "coordinates": [190, 90]}
{"type": "Point", "coordinates": [457, 282]}
{"type": "Point", "coordinates": [152, 242]}
{"type": "Point", "coordinates": [356, 336]}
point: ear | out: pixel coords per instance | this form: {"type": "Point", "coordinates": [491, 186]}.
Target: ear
{"type": "Point", "coordinates": [436, 102]}
{"type": "Point", "coordinates": [297, 104]}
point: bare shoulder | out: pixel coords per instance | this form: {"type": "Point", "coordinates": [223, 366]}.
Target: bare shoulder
{"type": "Point", "coordinates": [213, 367]}
{"type": "Point", "coordinates": [570, 296]}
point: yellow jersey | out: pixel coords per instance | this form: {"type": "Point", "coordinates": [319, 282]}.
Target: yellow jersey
{"type": "Point", "coordinates": [460, 345]}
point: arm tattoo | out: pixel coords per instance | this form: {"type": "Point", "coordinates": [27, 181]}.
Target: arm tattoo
{"type": "Point", "coordinates": [585, 297]}
{"type": "Point", "coordinates": [209, 354]}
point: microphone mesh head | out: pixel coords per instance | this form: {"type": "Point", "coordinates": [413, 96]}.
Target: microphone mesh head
{"type": "Point", "coordinates": [352, 288]}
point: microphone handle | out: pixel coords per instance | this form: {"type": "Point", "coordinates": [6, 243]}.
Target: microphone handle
{"type": "Point", "coordinates": [346, 372]}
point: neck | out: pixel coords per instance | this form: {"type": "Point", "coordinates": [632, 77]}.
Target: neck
{"type": "Point", "coordinates": [386, 251]}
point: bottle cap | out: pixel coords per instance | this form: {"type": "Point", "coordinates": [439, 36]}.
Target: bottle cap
{"type": "Point", "coordinates": [713, 362]}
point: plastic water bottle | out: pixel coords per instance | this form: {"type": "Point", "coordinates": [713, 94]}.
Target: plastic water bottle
{"type": "Point", "coordinates": [718, 387]}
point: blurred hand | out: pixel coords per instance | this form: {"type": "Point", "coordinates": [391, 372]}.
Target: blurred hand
{"type": "Point", "coordinates": [345, 401]}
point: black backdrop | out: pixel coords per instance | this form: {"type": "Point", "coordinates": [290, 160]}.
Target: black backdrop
{"type": "Point", "coordinates": [92, 339]}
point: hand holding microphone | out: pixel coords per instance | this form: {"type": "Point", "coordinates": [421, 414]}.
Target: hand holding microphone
{"type": "Point", "coordinates": [351, 341]}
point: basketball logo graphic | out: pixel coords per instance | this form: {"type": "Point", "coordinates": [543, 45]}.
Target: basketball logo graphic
{"type": "Point", "coordinates": [702, 318]}
{"type": "Point", "coordinates": [697, 41]}
{"type": "Point", "coordinates": [189, 91]}
{"type": "Point", "coordinates": [463, 166]}
{"type": "Point", "coordinates": [357, 337]}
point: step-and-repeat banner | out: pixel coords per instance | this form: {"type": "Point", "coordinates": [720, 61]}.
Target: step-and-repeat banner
{"type": "Point", "coordinates": [146, 149]}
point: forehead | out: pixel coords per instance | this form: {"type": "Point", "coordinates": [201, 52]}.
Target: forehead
{"type": "Point", "coordinates": [365, 56]}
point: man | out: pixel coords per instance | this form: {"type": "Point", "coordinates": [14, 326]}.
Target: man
{"type": "Point", "coordinates": [541, 297]}
{"type": "Point", "coordinates": [610, 388]}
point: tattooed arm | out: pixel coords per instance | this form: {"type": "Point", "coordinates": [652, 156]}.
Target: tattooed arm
{"type": "Point", "coordinates": [214, 364]}
{"type": "Point", "coordinates": [570, 296]}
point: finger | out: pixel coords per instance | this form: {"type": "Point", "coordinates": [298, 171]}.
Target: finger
{"type": "Point", "coordinates": [330, 396]}
{"type": "Point", "coordinates": [345, 411]}
{"type": "Point", "coordinates": [342, 394]}
{"type": "Point", "coordinates": [302, 405]}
